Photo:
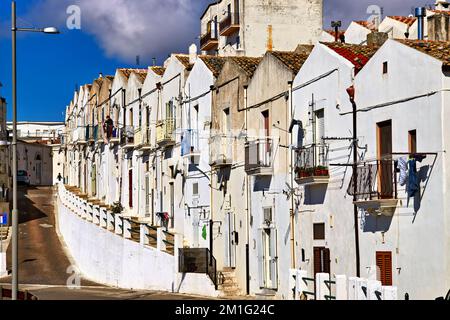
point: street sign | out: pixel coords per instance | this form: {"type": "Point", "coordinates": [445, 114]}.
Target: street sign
{"type": "Point", "coordinates": [4, 219]}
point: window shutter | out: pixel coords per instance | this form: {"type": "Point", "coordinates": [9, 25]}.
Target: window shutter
{"type": "Point", "coordinates": [317, 261]}
{"type": "Point", "coordinates": [326, 260]}
{"type": "Point", "coordinates": [384, 263]}
{"type": "Point", "coordinates": [259, 247]}
{"type": "Point", "coordinates": [274, 258]}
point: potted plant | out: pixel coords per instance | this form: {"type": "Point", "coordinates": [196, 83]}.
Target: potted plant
{"type": "Point", "coordinates": [117, 208]}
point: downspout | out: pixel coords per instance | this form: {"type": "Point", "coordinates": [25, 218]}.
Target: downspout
{"type": "Point", "coordinates": [211, 204]}
{"type": "Point", "coordinates": [351, 93]}
{"type": "Point", "coordinates": [291, 168]}
{"type": "Point", "coordinates": [247, 201]}
{"type": "Point", "coordinates": [122, 153]}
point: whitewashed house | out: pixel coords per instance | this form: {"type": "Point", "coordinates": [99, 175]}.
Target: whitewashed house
{"type": "Point", "coordinates": [145, 142]}
{"type": "Point", "coordinates": [407, 238]}
{"type": "Point", "coordinates": [251, 27]}
{"type": "Point", "coordinates": [268, 161]}
{"type": "Point", "coordinates": [324, 220]}
{"type": "Point", "coordinates": [357, 32]}
{"type": "Point", "coordinates": [399, 27]}
{"type": "Point", "coordinates": [169, 130]}
{"type": "Point", "coordinates": [195, 148]}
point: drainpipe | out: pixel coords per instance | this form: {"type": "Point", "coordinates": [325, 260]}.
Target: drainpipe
{"type": "Point", "coordinates": [351, 93]}
{"type": "Point", "coordinates": [211, 193]}
{"type": "Point", "coordinates": [247, 202]}
{"type": "Point", "coordinates": [291, 168]}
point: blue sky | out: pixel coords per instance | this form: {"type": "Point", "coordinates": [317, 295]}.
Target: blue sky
{"type": "Point", "coordinates": [112, 33]}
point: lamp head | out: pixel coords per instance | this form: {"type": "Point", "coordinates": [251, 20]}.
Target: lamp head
{"type": "Point", "coordinates": [51, 30]}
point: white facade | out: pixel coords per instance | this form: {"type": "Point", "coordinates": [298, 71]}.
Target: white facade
{"type": "Point", "coordinates": [358, 31]}
{"type": "Point", "coordinates": [256, 27]}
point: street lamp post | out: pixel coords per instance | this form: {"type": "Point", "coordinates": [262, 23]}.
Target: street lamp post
{"type": "Point", "coordinates": [15, 212]}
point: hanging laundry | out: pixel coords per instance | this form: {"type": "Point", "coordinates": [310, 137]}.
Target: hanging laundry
{"type": "Point", "coordinates": [413, 182]}
{"type": "Point", "coordinates": [419, 157]}
{"type": "Point", "coordinates": [403, 167]}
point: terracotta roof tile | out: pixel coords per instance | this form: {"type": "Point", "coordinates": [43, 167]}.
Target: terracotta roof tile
{"type": "Point", "coordinates": [127, 71]}
{"type": "Point", "coordinates": [292, 60]}
{"type": "Point", "coordinates": [367, 25]}
{"type": "Point", "coordinates": [441, 12]}
{"type": "Point", "coordinates": [436, 49]}
{"type": "Point", "coordinates": [406, 20]}
{"type": "Point", "coordinates": [158, 70]}
{"type": "Point", "coordinates": [141, 74]}
{"type": "Point", "coordinates": [359, 55]}
{"type": "Point", "coordinates": [214, 63]}
{"type": "Point", "coordinates": [248, 64]}
{"type": "Point", "coordinates": [184, 59]}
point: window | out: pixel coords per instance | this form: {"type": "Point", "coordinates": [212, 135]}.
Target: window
{"type": "Point", "coordinates": [319, 231]}
{"type": "Point", "coordinates": [195, 189]}
{"type": "Point", "coordinates": [412, 141]}
{"type": "Point", "coordinates": [385, 67]}
{"type": "Point", "coordinates": [268, 216]}
{"type": "Point", "coordinates": [322, 261]}
{"type": "Point", "coordinates": [384, 264]}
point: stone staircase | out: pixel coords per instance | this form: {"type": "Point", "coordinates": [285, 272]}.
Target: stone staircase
{"type": "Point", "coordinates": [228, 285]}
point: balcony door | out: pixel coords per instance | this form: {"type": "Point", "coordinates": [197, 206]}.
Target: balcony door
{"type": "Point", "coordinates": [385, 167]}
{"type": "Point", "coordinates": [230, 240]}
{"type": "Point", "coordinates": [267, 146]}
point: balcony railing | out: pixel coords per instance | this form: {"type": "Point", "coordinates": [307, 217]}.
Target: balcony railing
{"type": "Point", "coordinates": [79, 135]}
{"type": "Point", "coordinates": [138, 138]}
{"type": "Point", "coordinates": [312, 165]}
{"type": "Point", "coordinates": [90, 133]}
{"type": "Point", "coordinates": [376, 187]}
{"type": "Point", "coordinates": [165, 131]}
{"type": "Point", "coordinates": [258, 157]}
{"type": "Point", "coordinates": [230, 24]}
{"type": "Point", "coordinates": [209, 41]}
{"type": "Point", "coordinates": [99, 134]}
{"type": "Point", "coordinates": [221, 151]}
{"type": "Point", "coordinates": [128, 136]}
{"type": "Point", "coordinates": [198, 260]}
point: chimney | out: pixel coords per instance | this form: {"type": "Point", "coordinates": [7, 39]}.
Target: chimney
{"type": "Point", "coordinates": [100, 75]}
{"type": "Point", "coordinates": [438, 26]}
{"type": "Point", "coordinates": [442, 5]}
{"type": "Point", "coordinates": [420, 14]}
{"type": "Point", "coordinates": [377, 38]}
{"type": "Point", "coordinates": [192, 54]}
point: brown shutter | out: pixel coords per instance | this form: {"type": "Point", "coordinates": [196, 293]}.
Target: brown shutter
{"type": "Point", "coordinates": [327, 261]}
{"type": "Point", "coordinates": [317, 263]}
{"type": "Point", "coordinates": [384, 263]}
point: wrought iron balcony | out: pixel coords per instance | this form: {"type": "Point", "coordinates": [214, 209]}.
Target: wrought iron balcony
{"type": "Point", "coordinates": [311, 166]}
{"type": "Point", "coordinates": [79, 135]}
{"type": "Point", "coordinates": [128, 137]}
{"type": "Point", "coordinates": [258, 157]}
{"type": "Point", "coordinates": [221, 151]}
{"type": "Point", "coordinates": [99, 134]}
{"type": "Point", "coordinates": [376, 187]}
{"type": "Point", "coordinates": [165, 133]}
{"type": "Point", "coordinates": [209, 41]}
{"type": "Point", "coordinates": [230, 24]}
{"type": "Point", "coordinates": [91, 132]}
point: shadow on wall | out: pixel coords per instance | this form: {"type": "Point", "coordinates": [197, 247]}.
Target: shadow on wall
{"type": "Point", "coordinates": [262, 183]}
{"type": "Point", "coordinates": [377, 223]}
{"type": "Point", "coordinates": [316, 194]}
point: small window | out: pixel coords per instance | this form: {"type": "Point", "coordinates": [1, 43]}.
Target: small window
{"type": "Point", "coordinates": [412, 141]}
{"type": "Point", "coordinates": [384, 264]}
{"type": "Point", "coordinates": [319, 231]}
{"type": "Point", "coordinates": [268, 216]}
{"type": "Point", "coordinates": [385, 67]}
{"type": "Point", "coordinates": [195, 189]}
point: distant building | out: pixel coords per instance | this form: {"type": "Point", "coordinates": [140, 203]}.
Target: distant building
{"type": "Point", "coordinates": [251, 27]}
{"type": "Point", "coordinates": [40, 132]}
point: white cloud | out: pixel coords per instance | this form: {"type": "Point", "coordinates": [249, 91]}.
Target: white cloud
{"type": "Point", "coordinates": [127, 28]}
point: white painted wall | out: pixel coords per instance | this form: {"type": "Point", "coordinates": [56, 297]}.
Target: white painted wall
{"type": "Point", "coordinates": [418, 239]}
{"type": "Point", "coordinates": [198, 83]}
{"type": "Point", "coordinates": [356, 33]}
{"type": "Point", "coordinates": [330, 204]}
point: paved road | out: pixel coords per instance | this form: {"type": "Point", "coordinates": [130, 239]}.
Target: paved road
{"type": "Point", "coordinates": [43, 263]}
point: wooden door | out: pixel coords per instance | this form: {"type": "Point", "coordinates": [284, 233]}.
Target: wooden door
{"type": "Point", "coordinates": [385, 166]}
{"type": "Point", "coordinates": [384, 264]}
{"type": "Point", "coordinates": [321, 260]}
